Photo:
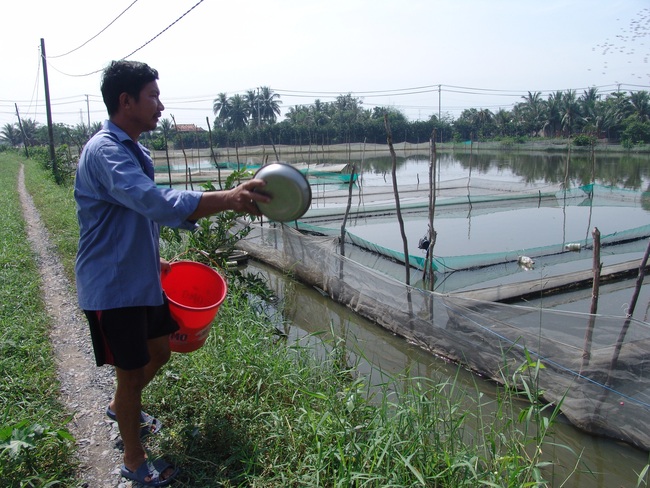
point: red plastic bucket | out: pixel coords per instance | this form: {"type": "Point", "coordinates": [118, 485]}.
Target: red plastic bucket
{"type": "Point", "coordinates": [195, 292]}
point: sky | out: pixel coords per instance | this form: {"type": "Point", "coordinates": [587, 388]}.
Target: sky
{"type": "Point", "coordinates": [422, 57]}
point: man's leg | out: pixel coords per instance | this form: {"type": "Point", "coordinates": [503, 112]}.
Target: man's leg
{"type": "Point", "coordinates": [127, 403]}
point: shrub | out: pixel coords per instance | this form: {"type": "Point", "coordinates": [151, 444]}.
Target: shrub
{"type": "Point", "coordinates": [584, 140]}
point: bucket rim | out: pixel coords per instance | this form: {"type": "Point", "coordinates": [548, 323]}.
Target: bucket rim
{"type": "Point", "coordinates": [206, 267]}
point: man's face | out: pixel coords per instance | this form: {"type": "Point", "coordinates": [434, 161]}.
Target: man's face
{"type": "Point", "coordinates": [147, 110]}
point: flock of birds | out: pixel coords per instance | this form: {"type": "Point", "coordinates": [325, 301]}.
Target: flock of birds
{"type": "Point", "coordinates": [638, 30]}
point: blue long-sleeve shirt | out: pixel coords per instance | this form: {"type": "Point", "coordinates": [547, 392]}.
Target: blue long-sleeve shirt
{"type": "Point", "coordinates": [120, 208]}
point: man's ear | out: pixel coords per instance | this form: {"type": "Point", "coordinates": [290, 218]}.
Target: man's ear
{"type": "Point", "coordinates": [125, 100]}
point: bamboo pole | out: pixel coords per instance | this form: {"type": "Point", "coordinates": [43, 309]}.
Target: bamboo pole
{"type": "Point", "coordinates": [428, 267]}
{"type": "Point", "coordinates": [347, 209]}
{"type": "Point", "coordinates": [630, 312]}
{"type": "Point", "coordinates": [595, 290]}
{"type": "Point", "coordinates": [389, 138]}
{"type": "Point", "coordinates": [214, 157]}
{"type": "Point", "coordinates": [188, 174]}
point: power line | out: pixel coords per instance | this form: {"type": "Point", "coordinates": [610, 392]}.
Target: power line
{"type": "Point", "coordinates": [96, 35]}
{"type": "Point", "coordinates": [165, 29]}
{"type": "Point", "coordinates": [136, 50]}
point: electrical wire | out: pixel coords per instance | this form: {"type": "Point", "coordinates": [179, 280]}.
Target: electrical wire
{"type": "Point", "coordinates": [134, 51]}
{"type": "Point", "coordinates": [96, 35]}
{"type": "Point", "coordinates": [165, 29]}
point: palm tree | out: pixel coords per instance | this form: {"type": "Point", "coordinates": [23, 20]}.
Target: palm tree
{"type": "Point", "coordinates": [11, 134]}
{"type": "Point", "coordinates": [253, 102]}
{"type": "Point", "coordinates": [641, 102]}
{"type": "Point", "coordinates": [483, 121]}
{"type": "Point", "coordinates": [238, 112]}
{"type": "Point", "coordinates": [166, 128]}
{"type": "Point", "coordinates": [221, 108]}
{"type": "Point", "coordinates": [503, 122]}
{"type": "Point", "coordinates": [533, 112]}
{"type": "Point", "coordinates": [570, 112]}
{"type": "Point", "coordinates": [318, 113]}
{"type": "Point", "coordinates": [269, 105]}
{"type": "Point", "coordinates": [30, 131]}
{"type": "Point", "coordinates": [553, 123]}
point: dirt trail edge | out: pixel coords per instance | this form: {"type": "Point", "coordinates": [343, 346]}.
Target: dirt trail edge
{"type": "Point", "coordinates": [85, 388]}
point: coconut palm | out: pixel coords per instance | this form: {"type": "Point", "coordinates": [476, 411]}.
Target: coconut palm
{"type": "Point", "coordinates": [553, 122]}
{"type": "Point", "coordinates": [641, 102]}
{"type": "Point", "coordinates": [533, 113]}
{"type": "Point", "coordinates": [252, 100]}
{"type": "Point", "coordinates": [238, 113]}
{"type": "Point", "coordinates": [503, 122]}
{"type": "Point", "coordinates": [30, 131]}
{"type": "Point", "coordinates": [166, 128]}
{"type": "Point", "coordinates": [269, 105]}
{"type": "Point", "coordinates": [483, 121]}
{"type": "Point", "coordinates": [11, 135]}
{"type": "Point", "coordinates": [318, 113]}
{"type": "Point", "coordinates": [570, 112]}
{"type": "Point", "coordinates": [221, 107]}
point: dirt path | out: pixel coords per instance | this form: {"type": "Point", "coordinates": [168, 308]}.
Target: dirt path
{"type": "Point", "coordinates": [85, 388]}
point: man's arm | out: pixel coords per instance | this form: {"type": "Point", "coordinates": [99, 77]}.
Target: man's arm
{"type": "Point", "coordinates": [242, 198]}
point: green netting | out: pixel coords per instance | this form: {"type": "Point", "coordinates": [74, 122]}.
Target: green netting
{"type": "Point", "coordinates": [327, 221]}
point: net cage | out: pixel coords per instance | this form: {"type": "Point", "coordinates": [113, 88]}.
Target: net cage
{"type": "Point", "coordinates": [460, 198]}
{"type": "Point", "coordinates": [596, 366]}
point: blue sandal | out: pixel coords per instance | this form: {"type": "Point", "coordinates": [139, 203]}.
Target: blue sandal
{"type": "Point", "coordinates": [150, 424]}
{"type": "Point", "coordinates": [149, 472]}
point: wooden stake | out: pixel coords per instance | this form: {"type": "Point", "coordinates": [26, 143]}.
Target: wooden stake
{"type": "Point", "coordinates": [389, 138]}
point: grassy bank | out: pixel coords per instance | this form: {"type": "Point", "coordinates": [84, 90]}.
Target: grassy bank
{"type": "Point", "coordinates": [249, 409]}
{"type": "Point", "coordinates": [33, 452]}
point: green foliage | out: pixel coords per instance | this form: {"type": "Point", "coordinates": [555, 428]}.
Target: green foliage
{"type": "Point", "coordinates": [66, 162]}
{"type": "Point", "coordinates": [213, 240]}
{"type": "Point", "coordinates": [637, 132]}
{"type": "Point", "coordinates": [582, 140]}
{"type": "Point", "coordinates": [249, 409]}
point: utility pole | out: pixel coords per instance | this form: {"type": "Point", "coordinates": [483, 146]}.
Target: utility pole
{"type": "Point", "coordinates": [22, 131]}
{"type": "Point", "coordinates": [50, 132]}
{"type": "Point", "coordinates": [88, 111]}
{"type": "Point", "coordinates": [439, 104]}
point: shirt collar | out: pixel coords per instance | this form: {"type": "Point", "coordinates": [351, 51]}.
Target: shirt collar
{"type": "Point", "coordinates": [121, 135]}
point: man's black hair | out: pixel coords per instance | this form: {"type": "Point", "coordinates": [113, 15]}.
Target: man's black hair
{"type": "Point", "coordinates": [124, 77]}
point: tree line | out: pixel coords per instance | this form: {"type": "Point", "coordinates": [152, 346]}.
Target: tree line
{"type": "Point", "coordinates": [252, 119]}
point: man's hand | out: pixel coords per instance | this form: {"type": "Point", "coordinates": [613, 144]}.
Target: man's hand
{"type": "Point", "coordinates": [165, 266]}
{"type": "Point", "coordinates": [242, 198]}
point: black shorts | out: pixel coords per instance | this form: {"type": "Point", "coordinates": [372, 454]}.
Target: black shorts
{"type": "Point", "coordinates": [120, 335]}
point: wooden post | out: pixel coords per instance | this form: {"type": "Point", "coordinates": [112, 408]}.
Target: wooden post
{"type": "Point", "coordinates": [597, 267]}
{"type": "Point", "coordinates": [428, 266]}
{"type": "Point", "coordinates": [389, 138]}
{"type": "Point", "coordinates": [214, 157]}
{"type": "Point", "coordinates": [347, 209]}
{"type": "Point", "coordinates": [595, 287]}
{"type": "Point", "coordinates": [188, 173]}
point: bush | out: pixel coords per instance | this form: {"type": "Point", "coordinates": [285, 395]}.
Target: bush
{"type": "Point", "coordinates": [582, 140]}
{"type": "Point", "coordinates": [637, 132]}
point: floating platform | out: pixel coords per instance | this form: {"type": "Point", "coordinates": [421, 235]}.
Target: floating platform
{"type": "Point", "coordinates": [544, 285]}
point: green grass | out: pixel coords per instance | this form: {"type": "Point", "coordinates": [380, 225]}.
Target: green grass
{"type": "Point", "coordinates": [32, 450]}
{"type": "Point", "coordinates": [250, 410]}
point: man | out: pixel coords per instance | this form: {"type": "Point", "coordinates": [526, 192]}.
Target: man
{"type": "Point", "coordinates": [118, 266]}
